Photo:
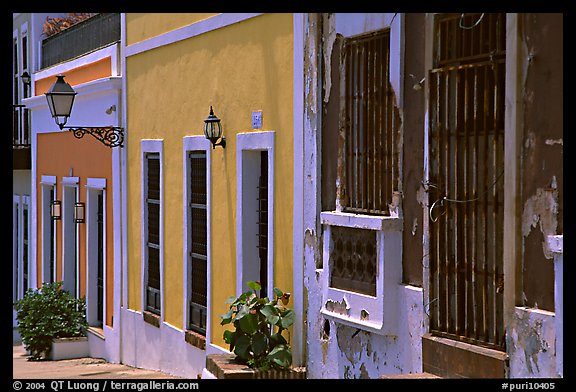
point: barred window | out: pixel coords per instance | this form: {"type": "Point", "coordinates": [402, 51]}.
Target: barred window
{"type": "Point", "coordinates": [369, 125]}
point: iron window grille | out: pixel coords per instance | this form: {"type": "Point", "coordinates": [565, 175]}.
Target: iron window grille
{"type": "Point", "coordinates": [466, 166]}
{"type": "Point", "coordinates": [369, 123]}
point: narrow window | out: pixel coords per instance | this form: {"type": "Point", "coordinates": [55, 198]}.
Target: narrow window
{"type": "Point", "coordinates": [100, 258]}
{"type": "Point", "coordinates": [70, 240]}
{"type": "Point", "coordinates": [26, 92]}
{"type": "Point", "coordinates": [26, 236]}
{"type": "Point", "coordinates": [51, 239]}
{"type": "Point", "coordinates": [15, 69]}
{"type": "Point", "coordinates": [262, 223]}
{"type": "Point", "coordinates": [153, 302]}
{"type": "Point", "coordinates": [198, 238]}
{"type": "Point", "coordinates": [16, 245]}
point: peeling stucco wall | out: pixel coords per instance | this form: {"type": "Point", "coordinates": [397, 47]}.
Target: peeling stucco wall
{"type": "Point", "coordinates": [541, 212]}
{"type": "Point", "coordinates": [344, 352]}
{"type": "Point", "coordinates": [335, 350]}
{"type": "Point", "coordinates": [531, 344]}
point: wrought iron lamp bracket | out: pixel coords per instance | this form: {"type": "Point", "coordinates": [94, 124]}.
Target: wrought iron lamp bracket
{"type": "Point", "coordinates": [109, 136]}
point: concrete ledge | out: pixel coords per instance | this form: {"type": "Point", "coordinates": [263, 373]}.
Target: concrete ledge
{"type": "Point", "coordinates": [224, 366]}
{"type": "Point", "coordinates": [450, 358]}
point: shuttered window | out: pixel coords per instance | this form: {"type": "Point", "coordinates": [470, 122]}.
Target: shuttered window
{"type": "Point", "coordinates": [153, 301]}
{"type": "Point", "coordinates": [198, 238]}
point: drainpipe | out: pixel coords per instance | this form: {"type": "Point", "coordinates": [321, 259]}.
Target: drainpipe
{"type": "Point", "coordinates": [556, 246]}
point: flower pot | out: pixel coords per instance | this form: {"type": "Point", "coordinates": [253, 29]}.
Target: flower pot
{"type": "Point", "coordinates": [225, 366]}
{"type": "Point", "coordinates": [69, 348]}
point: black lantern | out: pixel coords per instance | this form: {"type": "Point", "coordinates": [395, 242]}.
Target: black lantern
{"type": "Point", "coordinates": [79, 212]}
{"type": "Point", "coordinates": [213, 130]}
{"type": "Point", "coordinates": [60, 100]}
{"type": "Point", "coordinates": [26, 79]}
{"type": "Point", "coordinates": [56, 210]}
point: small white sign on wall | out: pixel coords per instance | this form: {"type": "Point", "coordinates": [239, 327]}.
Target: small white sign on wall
{"type": "Point", "coordinates": [257, 119]}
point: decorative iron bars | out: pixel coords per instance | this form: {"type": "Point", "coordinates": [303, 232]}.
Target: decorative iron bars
{"type": "Point", "coordinates": [353, 256]}
{"type": "Point", "coordinates": [109, 136]}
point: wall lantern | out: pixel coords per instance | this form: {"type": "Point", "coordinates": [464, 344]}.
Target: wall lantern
{"type": "Point", "coordinates": [26, 79]}
{"type": "Point", "coordinates": [60, 99]}
{"type": "Point", "coordinates": [56, 210]}
{"type": "Point", "coordinates": [213, 130]}
{"type": "Point", "coordinates": [79, 212]}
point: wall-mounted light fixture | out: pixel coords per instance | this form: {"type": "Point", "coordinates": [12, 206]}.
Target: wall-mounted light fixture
{"type": "Point", "coordinates": [26, 79]}
{"type": "Point", "coordinates": [60, 100]}
{"type": "Point", "coordinates": [56, 210]}
{"type": "Point", "coordinates": [213, 130]}
{"type": "Point", "coordinates": [79, 212]}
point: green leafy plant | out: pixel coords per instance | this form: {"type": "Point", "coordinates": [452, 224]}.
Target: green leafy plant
{"type": "Point", "coordinates": [259, 322]}
{"type": "Point", "coordinates": [46, 314]}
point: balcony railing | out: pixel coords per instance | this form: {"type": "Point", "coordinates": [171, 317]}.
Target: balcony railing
{"type": "Point", "coordinates": [84, 37]}
{"type": "Point", "coordinates": [20, 126]}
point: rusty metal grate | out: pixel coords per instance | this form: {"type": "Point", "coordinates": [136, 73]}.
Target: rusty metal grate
{"type": "Point", "coordinates": [353, 256]}
{"type": "Point", "coordinates": [369, 125]}
{"type": "Point", "coordinates": [466, 177]}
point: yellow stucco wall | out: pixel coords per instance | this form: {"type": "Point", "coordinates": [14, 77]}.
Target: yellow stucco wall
{"type": "Point", "coordinates": [144, 26]}
{"type": "Point", "coordinates": [237, 69]}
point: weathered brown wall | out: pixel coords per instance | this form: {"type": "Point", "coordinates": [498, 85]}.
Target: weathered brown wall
{"type": "Point", "coordinates": [542, 158]}
{"type": "Point", "coordinates": [413, 163]}
{"type": "Point", "coordinates": [330, 130]}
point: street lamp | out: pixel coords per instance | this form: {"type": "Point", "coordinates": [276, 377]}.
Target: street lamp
{"type": "Point", "coordinates": [60, 99]}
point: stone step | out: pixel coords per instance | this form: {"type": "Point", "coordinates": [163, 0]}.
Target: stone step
{"type": "Point", "coordinates": [409, 375]}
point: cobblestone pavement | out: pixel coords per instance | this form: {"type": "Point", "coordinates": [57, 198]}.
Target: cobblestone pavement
{"type": "Point", "coordinates": [81, 368]}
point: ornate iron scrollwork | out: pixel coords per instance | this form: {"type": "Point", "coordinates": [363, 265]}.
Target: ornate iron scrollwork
{"type": "Point", "coordinates": [109, 136]}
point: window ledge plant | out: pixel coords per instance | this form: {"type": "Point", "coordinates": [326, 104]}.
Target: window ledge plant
{"type": "Point", "coordinates": [259, 322]}
{"type": "Point", "coordinates": [47, 314]}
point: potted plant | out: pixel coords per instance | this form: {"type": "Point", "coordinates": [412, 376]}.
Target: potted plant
{"type": "Point", "coordinates": [48, 314]}
{"type": "Point", "coordinates": [257, 339]}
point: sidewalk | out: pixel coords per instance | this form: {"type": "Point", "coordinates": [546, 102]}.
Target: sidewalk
{"type": "Point", "coordinates": [88, 368]}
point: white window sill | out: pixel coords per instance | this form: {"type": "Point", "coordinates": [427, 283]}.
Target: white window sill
{"type": "Point", "coordinates": [366, 312]}
{"type": "Point", "coordinates": [369, 222]}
